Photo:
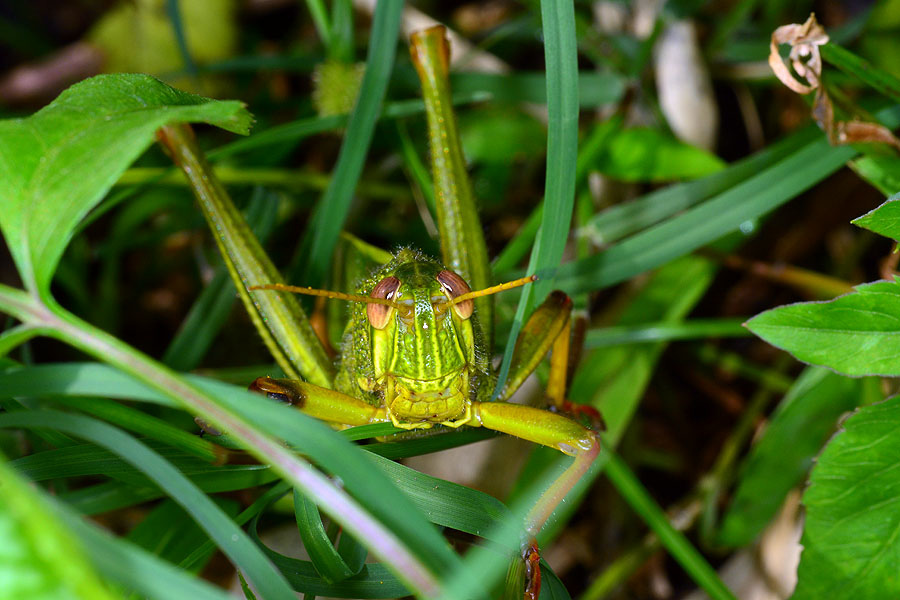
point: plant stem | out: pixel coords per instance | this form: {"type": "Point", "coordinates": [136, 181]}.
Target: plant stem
{"type": "Point", "coordinates": [270, 177]}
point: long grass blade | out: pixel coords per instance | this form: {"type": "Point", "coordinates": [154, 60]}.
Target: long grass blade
{"type": "Point", "coordinates": [560, 54]}
{"type": "Point", "coordinates": [331, 213]}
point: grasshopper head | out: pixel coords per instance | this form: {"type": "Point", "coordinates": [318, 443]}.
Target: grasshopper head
{"type": "Point", "coordinates": [424, 335]}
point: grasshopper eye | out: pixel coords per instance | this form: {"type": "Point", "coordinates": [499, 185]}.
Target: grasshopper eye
{"type": "Point", "coordinates": [455, 286]}
{"type": "Point", "coordinates": [380, 314]}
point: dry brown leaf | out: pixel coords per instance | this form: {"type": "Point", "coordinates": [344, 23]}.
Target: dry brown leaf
{"type": "Point", "coordinates": [805, 57]}
{"type": "Point", "coordinates": [806, 61]}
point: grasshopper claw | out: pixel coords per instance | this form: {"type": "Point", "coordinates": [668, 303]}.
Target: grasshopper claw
{"type": "Point", "coordinates": [532, 557]}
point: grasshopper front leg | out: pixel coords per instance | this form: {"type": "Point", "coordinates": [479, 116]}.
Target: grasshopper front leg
{"type": "Point", "coordinates": [321, 403]}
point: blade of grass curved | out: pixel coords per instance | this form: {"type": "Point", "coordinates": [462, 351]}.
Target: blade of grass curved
{"type": "Point", "coordinates": [373, 581]}
{"type": "Point", "coordinates": [331, 212]}
{"type": "Point", "coordinates": [319, 546]}
{"type": "Point", "coordinates": [445, 503]}
{"type": "Point", "coordinates": [560, 55]}
{"type": "Point", "coordinates": [245, 555]}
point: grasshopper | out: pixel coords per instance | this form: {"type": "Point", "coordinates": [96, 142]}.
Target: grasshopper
{"type": "Point", "coordinates": [413, 355]}
{"type": "Point", "coordinates": [416, 350]}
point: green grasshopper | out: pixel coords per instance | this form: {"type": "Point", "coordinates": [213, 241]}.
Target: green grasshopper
{"type": "Point", "coordinates": [416, 350]}
{"type": "Point", "coordinates": [412, 355]}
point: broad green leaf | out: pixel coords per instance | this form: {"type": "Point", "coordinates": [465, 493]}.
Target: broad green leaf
{"type": "Point", "coordinates": [644, 154]}
{"type": "Point", "coordinates": [780, 459]}
{"type": "Point", "coordinates": [39, 558]}
{"type": "Point", "coordinates": [884, 220]}
{"type": "Point", "coordinates": [855, 334]}
{"type": "Point", "coordinates": [58, 163]}
{"type": "Point", "coordinates": [851, 539]}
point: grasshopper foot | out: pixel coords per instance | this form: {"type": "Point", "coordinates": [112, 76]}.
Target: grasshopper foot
{"type": "Point", "coordinates": [532, 557]}
{"type": "Point", "coordinates": [583, 413]}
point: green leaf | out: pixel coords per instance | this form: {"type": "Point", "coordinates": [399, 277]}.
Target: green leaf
{"type": "Point", "coordinates": [851, 539]}
{"type": "Point", "coordinates": [322, 553]}
{"type": "Point", "coordinates": [644, 154]}
{"type": "Point", "coordinates": [781, 458]}
{"type": "Point", "coordinates": [623, 219]}
{"type": "Point", "coordinates": [855, 334]}
{"type": "Point", "coordinates": [58, 163]}
{"type": "Point", "coordinates": [884, 220]}
{"type": "Point", "coordinates": [551, 587]}
{"type": "Point", "coordinates": [880, 171]}
{"type": "Point", "coordinates": [39, 558]}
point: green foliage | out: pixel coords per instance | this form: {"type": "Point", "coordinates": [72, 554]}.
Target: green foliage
{"type": "Point", "coordinates": [39, 558]}
{"type": "Point", "coordinates": [644, 154]}
{"type": "Point", "coordinates": [781, 458]}
{"type": "Point", "coordinates": [58, 163]}
{"type": "Point", "coordinates": [850, 539]}
{"type": "Point", "coordinates": [884, 220]}
{"type": "Point", "coordinates": [106, 437]}
{"type": "Point", "coordinates": [856, 334]}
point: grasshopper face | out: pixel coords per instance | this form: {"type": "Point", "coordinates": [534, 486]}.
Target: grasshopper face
{"type": "Point", "coordinates": [422, 352]}
{"type": "Point", "coordinates": [418, 357]}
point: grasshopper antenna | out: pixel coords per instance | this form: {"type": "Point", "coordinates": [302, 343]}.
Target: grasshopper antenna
{"type": "Point", "coordinates": [494, 289]}
{"type": "Point", "coordinates": [324, 294]}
